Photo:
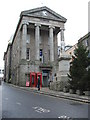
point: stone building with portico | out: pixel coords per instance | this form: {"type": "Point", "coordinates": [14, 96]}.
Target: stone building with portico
{"type": "Point", "coordinates": [35, 45]}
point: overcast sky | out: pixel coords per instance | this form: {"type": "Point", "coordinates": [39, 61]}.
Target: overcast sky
{"type": "Point", "coordinates": [75, 11]}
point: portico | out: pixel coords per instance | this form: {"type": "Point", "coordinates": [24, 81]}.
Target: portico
{"type": "Point", "coordinates": [51, 40]}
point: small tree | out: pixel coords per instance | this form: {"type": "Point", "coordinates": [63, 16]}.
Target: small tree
{"type": "Point", "coordinates": [78, 68]}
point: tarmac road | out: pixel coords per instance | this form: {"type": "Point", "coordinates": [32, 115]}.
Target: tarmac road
{"type": "Point", "coordinates": [18, 103]}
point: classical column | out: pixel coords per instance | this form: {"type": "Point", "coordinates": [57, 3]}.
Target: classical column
{"type": "Point", "coordinates": [24, 39]}
{"type": "Point", "coordinates": [62, 41]}
{"type": "Point", "coordinates": [37, 38]}
{"type": "Point", "coordinates": [51, 43]}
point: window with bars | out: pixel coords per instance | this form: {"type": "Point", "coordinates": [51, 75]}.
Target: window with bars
{"type": "Point", "coordinates": [28, 54]}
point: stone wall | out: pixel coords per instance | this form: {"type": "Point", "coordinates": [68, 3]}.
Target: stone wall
{"type": "Point", "coordinates": [60, 84]}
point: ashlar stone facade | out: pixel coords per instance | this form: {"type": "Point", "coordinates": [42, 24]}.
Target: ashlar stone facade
{"type": "Point", "coordinates": [35, 44]}
{"type": "Point", "coordinates": [7, 63]}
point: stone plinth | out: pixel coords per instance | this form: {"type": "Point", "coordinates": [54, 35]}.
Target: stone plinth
{"type": "Point", "coordinates": [62, 77]}
{"type": "Point", "coordinates": [64, 65]}
{"type": "Point", "coordinates": [58, 85]}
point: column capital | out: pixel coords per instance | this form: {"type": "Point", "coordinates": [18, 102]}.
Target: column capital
{"type": "Point", "coordinates": [62, 29]}
{"type": "Point", "coordinates": [25, 23]}
{"type": "Point", "coordinates": [50, 26]}
{"type": "Point", "coordinates": [37, 24]}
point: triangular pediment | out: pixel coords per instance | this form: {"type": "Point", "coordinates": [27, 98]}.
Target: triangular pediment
{"type": "Point", "coordinates": [44, 12]}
